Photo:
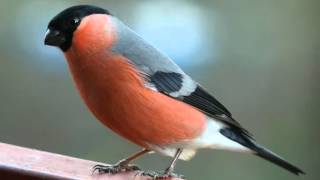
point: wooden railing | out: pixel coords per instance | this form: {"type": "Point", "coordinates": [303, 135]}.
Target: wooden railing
{"type": "Point", "coordinates": [24, 163]}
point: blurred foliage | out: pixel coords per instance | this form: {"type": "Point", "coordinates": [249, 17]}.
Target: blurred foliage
{"type": "Point", "coordinates": [260, 58]}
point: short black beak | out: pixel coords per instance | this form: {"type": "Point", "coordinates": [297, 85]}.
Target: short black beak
{"type": "Point", "coordinates": [54, 38]}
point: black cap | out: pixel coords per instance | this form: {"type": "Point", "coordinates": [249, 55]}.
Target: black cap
{"type": "Point", "coordinates": [61, 27]}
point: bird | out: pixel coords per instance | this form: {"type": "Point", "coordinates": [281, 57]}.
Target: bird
{"type": "Point", "coordinates": [142, 95]}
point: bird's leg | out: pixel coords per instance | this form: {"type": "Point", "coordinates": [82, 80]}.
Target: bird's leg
{"type": "Point", "coordinates": [168, 173]}
{"type": "Point", "coordinates": [121, 166]}
{"type": "Point", "coordinates": [170, 169]}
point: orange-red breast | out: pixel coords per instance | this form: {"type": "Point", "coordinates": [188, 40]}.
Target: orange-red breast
{"type": "Point", "coordinates": [141, 94]}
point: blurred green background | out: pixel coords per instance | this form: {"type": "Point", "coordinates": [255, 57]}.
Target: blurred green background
{"type": "Point", "coordinates": [260, 58]}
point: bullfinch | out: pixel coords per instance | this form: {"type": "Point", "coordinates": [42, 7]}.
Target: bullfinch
{"type": "Point", "coordinates": [142, 95]}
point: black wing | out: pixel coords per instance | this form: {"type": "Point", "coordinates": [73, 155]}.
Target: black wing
{"type": "Point", "coordinates": [207, 103]}
{"type": "Point", "coordinates": [172, 82]}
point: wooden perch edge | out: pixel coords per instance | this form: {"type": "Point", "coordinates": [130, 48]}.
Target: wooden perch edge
{"type": "Point", "coordinates": [24, 163]}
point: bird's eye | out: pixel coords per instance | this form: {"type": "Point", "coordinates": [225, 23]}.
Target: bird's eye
{"type": "Point", "coordinates": [75, 21]}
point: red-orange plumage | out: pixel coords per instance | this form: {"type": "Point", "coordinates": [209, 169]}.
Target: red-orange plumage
{"type": "Point", "coordinates": [114, 91]}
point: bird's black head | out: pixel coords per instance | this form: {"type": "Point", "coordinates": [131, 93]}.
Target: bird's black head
{"type": "Point", "coordinates": [61, 27]}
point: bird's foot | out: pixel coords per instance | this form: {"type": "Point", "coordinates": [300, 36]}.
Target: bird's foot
{"type": "Point", "coordinates": [160, 175]}
{"type": "Point", "coordinates": [121, 166]}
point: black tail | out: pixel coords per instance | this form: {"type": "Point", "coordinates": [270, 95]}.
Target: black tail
{"type": "Point", "coordinates": [272, 157]}
{"type": "Point", "coordinates": [260, 151]}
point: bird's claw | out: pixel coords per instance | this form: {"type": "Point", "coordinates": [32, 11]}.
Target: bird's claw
{"type": "Point", "coordinates": [114, 169]}
{"type": "Point", "coordinates": [160, 175]}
